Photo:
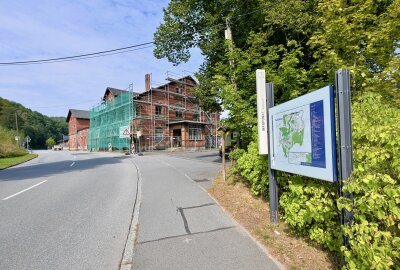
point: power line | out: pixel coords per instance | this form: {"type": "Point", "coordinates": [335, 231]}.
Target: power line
{"type": "Point", "coordinates": [124, 49]}
{"type": "Point", "coordinates": [81, 56]}
{"type": "Point", "coordinates": [78, 59]}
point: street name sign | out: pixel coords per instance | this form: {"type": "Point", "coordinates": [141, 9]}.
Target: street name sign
{"type": "Point", "coordinates": [262, 112]}
{"type": "Point", "coordinates": [124, 132]}
{"type": "Point", "coordinates": [302, 134]}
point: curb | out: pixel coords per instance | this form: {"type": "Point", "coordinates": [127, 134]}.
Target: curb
{"type": "Point", "coordinates": [20, 162]}
{"type": "Point", "coordinates": [127, 258]}
{"type": "Point", "coordinates": [261, 246]}
{"type": "Point", "coordinates": [239, 226]}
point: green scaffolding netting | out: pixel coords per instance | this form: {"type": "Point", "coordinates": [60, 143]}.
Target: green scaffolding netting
{"type": "Point", "coordinates": [107, 118]}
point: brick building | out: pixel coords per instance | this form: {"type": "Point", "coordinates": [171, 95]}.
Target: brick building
{"type": "Point", "coordinates": [78, 129]}
{"type": "Point", "coordinates": [166, 116]}
{"type": "Point", "coordinates": [169, 116]}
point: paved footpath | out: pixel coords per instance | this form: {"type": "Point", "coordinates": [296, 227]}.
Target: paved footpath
{"type": "Point", "coordinates": [181, 226]}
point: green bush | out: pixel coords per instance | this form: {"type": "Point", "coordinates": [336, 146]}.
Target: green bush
{"type": "Point", "coordinates": [375, 235]}
{"type": "Point", "coordinates": [252, 167]}
{"type": "Point", "coordinates": [312, 207]}
{"type": "Point", "coordinates": [309, 207]}
{"type": "Point", "coordinates": [8, 147]}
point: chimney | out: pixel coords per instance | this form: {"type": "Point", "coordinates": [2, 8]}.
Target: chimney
{"type": "Point", "coordinates": [147, 82]}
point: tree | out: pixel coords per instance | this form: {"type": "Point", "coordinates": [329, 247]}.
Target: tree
{"type": "Point", "coordinates": [37, 126]}
{"type": "Point", "coordinates": [50, 142]}
{"type": "Point", "coordinates": [300, 44]}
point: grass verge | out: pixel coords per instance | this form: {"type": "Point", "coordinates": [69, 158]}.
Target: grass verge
{"type": "Point", "coordinates": [9, 162]}
{"type": "Point", "coordinates": [292, 251]}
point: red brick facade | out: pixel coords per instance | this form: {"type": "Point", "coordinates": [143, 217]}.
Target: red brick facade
{"type": "Point", "coordinates": [170, 116]}
{"type": "Point", "coordinates": [78, 130]}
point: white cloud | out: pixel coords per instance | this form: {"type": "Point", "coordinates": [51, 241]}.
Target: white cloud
{"type": "Point", "coordinates": [61, 28]}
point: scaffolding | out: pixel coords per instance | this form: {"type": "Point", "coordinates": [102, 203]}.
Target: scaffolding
{"type": "Point", "coordinates": [106, 120]}
{"type": "Point", "coordinates": [153, 118]}
{"type": "Point", "coordinates": [168, 103]}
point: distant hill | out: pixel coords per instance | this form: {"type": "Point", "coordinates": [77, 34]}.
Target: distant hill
{"type": "Point", "coordinates": [38, 126]}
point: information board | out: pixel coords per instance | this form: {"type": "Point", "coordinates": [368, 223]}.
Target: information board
{"type": "Point", "coordinates": [302, 135]}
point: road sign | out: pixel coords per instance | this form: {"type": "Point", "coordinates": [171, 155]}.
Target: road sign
{"type": "Point", "coordinates": [139, 133]}
{"type": "Point", "coordinates": [124, 132]}
{"type": "Point", "coordinates": [262, 112]}
{"type": "Point", "coordinates": [303, 135]}
{"type": "Point", "coordinates": [27, 139]}
{"type": "Point", "coordinates": [17, 138]}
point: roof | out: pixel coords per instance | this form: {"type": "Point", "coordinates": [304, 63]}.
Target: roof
{"type": "Point", "coordinates": [116, 92]}
{"type": "Point", "coordinates": [78, 114]}
{"type": "Point", "coordinates": [161, 87]}
{"type": "Point", "coordinates": [180, 80]}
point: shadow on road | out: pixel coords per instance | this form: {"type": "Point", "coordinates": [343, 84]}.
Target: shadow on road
{"type": "Point", "coordinates": [53, 168]}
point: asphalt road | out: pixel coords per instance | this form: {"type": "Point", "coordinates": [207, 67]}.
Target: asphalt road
{"type": "Point", "coordinates": [66, 210]}
{"type": "Point", "coordinates": [181, 226]}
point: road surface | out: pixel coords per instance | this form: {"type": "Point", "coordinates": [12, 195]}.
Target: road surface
{"type": "Point", "coordinates": [66, 210]}
{"type": "Point", "coordinates": [73, 210]}
{"type": "Point", "coordinates": [181, 226]}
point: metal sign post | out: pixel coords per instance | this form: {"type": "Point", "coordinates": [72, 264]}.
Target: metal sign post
{"type": "Point", "coordinates": [345, 151]}
{"type": "Point", "coordinates": [273, 187]}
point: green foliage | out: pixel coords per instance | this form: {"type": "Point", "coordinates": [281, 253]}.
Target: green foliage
{"type": "Point", "coordinates": [301, 44]}
{"type": "Point", "coordinates": [310, 208]}
{"type": "Point", "coordinates": [12, 161]}
{"type": "Point", "coordinates": [8, 145]}
{"type": "Point", "coordinates": [50, 142]}
{"type": "Point", "coordinates": [375, 235]}
{"type": "Point", "coordinates": [252, 167]}
{"type": "Point", "coordinates": [37, 126]}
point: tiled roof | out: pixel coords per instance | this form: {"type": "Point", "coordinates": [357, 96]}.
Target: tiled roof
{"type": "Point", "coordinates": [78, 114]}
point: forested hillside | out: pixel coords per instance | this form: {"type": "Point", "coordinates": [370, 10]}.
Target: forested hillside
{"type": "Point", "coordinates": [300, 44]}
{"type": "Point", "coordinates": [33, 124]}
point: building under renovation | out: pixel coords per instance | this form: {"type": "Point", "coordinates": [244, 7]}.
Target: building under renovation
{"type": "Point", "coordinates": [167, 116]}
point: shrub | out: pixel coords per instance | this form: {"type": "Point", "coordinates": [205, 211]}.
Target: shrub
{"type": "Point", "coordinates": [375, 234]}
{"type": "Point", "coordinates": [8, 147]}
{"type": "Point", "coordinates": [312, 207]}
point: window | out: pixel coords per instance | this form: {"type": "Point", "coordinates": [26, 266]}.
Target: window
{"type": "Point", "coordinates": [194, 132]}
{"type": "Point", "coordinates": [178, 90]}
{"type": "Point", "coordinates": [158, 135]}
{"type": "Point", "coordinates": [158, 110]}
{"type": "Point", "coordinates": [195, 116]}
{"type": "Point", "coordinates": [178, 114]}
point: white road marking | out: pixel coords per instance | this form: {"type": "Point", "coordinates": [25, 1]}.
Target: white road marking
{"type": "Point", "coordinates": [72, 164]}
{"type": "Point", "coordinates": [23, 190]}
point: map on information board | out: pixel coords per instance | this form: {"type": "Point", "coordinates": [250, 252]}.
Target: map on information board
{"type": "Point", "coordinates": [302, 135]}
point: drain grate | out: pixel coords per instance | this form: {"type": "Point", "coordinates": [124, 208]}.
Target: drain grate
{"type": "Point", "coordinates": [201, 180]}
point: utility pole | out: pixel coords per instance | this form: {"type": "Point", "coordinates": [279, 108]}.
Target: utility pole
{"type": "Point", "coordinates": [228, 36]}
{"type": "Point", "coordinates": [16, 125]}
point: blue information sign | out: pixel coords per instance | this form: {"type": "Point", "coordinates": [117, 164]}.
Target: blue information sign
{"type": "Point", "coordinates": [302, 132]}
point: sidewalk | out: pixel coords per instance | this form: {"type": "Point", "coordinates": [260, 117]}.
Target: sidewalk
{"type": "Point", "coordinates": [181, 227]}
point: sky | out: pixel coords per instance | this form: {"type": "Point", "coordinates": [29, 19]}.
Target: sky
{"type": "Point", "coordinates": [32, 30]}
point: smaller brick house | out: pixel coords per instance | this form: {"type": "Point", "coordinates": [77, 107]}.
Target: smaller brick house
{"type": "Point", "coordinates": [78, 128]}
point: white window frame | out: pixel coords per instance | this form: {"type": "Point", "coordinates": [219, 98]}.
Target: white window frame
{"type": "Point", "coordinates": [194, 132]}
{"type": "Point", "coordinates": [158, 137]}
